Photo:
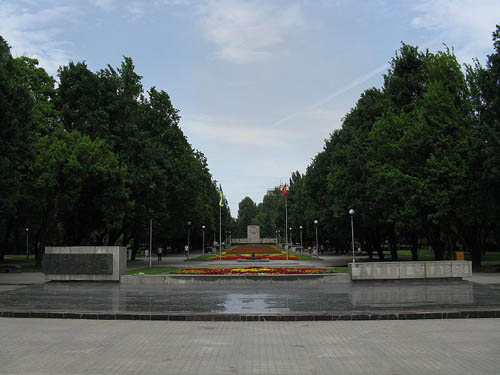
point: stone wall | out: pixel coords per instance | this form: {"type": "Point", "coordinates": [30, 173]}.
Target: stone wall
{"type": "Point", "coordinates": [410, 270]}
{"type": "Point", "coordinates": [85, 263]}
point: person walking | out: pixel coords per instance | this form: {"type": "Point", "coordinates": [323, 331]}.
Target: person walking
{"type": "Point", "coordinates": [186, 251]}
{"type": "Point", "coordinates": [160, 252]}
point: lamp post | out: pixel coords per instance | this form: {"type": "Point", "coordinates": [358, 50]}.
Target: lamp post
{"type": "Point", "coordinates": [301, 248]}
{"type": "Point", "coordinates": [189, 236]}
{"type": "Point", "coordinates": [150, 240]}
{"type": "Point", "coordinates": [27, 244]}
{"type": "Point", "coordinates": [203, 247]}
{"type": "Point", "coordinates": [316, 225]}
{"type": "Point", "coordinates": [351, 212]}
{"type": "Point", "coordinates": [291, 241]}
{"type": "Point", "coordinates": [276, 238]}
{"type": "Point", "coordinates": [279, 237]}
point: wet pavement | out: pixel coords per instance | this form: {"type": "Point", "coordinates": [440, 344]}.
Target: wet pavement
{"type": "Point", "coordinates": [273, 298]}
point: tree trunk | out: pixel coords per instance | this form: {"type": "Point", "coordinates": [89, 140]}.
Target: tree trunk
{"type": "Point", "coordinates": [380, 251]}
{"type": "Point", "coordinates": [5, 244]}
{"type": "Point", "coordinates": [393, 245]}
{"type": "Point", "coordinates": [414, 247]}
{"type": "Point", "coordinates": [476, 256]}
{"type": "Point", "coordinates": [39, 251]}
{"type": "Point", "coordinates": [435, 242]}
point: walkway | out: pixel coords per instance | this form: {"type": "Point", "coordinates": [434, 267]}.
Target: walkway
{"type": "Point", "coordinates": [56, 347]}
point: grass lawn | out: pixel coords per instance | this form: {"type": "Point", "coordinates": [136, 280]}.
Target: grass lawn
{"type": "Point", "coordinates": [170, 270]}
{"type": "Point", "coordinates": [489, 258]}
{"type": "Point", "coordinates": [427, 254]}
{"type": "Point", "coordinates": [423, 254]}
{"type": "Point", "coordinates": [155, 270]}
{"type": "Point", "coordinates": [27, 265]}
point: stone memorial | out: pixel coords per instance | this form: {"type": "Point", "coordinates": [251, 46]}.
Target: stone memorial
{"type": "Point", "coordinates": [253, 237]}
{"type": "Point", "coordinates": [98, 263]}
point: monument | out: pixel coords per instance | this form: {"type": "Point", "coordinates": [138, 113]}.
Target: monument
{"type": "Point", "coordinates": [253, 237]}
{"type": "Point", "coordinates": [97, 263]}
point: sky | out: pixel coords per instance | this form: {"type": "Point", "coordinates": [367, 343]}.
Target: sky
{"type": "Point", "coordinates": [259, 84]}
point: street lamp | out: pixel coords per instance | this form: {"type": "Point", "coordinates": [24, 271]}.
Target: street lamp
{"type": "Point", "coordinates": [276, 238]}
{"type": "Point", "coordinates": [317, 248]}
{"type": "Point", "coordinates": [27, 244]}
{"type": "Point", "coordinates": [301, 248]}
{"type": "Point", "coordinates": [351, 212]}
{"type": "Point", "coordinates": [189, 236]}
{"type": "Point", "coordinates": [291, 241]}
{"type": "Point", "coordinates": [203, 248]}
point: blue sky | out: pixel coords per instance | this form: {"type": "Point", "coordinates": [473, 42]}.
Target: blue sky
{"type": "Point", "coordinates": [259, 84]}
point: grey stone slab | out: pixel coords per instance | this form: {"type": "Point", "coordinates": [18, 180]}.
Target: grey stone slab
{"type": "Point", "coordinates": [57, 250]}
{"type": "Point", "coordinates": [358, 271]}
{"type": "Point", "coordinates": [82, 249]}
{"type": "Point", "coordinates": [461, 268]}
{"type": "Point", "coordinates": [386, 271]}
{"type": "Point", "coordinates": [78, 264]}
{"type": "Point", "coordinates": [438, 269]}
{"type": "Point", "coordinates": [412, 270]}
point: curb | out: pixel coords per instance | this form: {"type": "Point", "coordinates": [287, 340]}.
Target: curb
{"type": "Point", "coordinates": [176, 279]}
{"type": "Point", "coordinates": [314, 316]}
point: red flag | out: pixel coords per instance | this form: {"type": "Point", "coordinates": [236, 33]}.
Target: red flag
{"type": "Point", "coordinates": [283, 190]}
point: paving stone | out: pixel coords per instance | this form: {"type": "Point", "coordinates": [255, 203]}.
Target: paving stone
{"type": "Point", "coordinates": [167, 347]}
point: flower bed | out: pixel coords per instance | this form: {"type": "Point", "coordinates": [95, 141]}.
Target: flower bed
{"type": "Point", "coordinates": [256, 251]}
{"type": "Point", "coordinates": [254, 270]}
{"type": "Point", "coordinates": [279, 256]}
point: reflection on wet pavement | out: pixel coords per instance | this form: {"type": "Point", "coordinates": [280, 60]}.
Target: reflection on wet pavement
{"type": "Point", "coordinates": [261, 298]}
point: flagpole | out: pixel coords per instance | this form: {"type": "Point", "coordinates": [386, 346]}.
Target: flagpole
{"type": "Point", "coordinates": [220, 233]}
{"type": "Point", "coordinates": [286, 226]}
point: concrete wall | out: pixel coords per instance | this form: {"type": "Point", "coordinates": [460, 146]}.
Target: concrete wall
{"type": "Point", "coordinates": [78, 263]}
{"type": "Point", "coordinates": [410, 270]}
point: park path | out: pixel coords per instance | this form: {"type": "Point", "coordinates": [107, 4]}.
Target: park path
{"type": "Point", "coordinates": [54, 347]}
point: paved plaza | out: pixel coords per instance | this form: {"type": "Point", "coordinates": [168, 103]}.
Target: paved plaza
{"type": "Point", "coordinates": [270, 298]}
{"type": "Point", "coordinates": [84, 346]}
{"type": "Point", "coordinates": [53, 347]}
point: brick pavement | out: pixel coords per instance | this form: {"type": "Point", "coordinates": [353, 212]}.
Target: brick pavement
{"type": "Point", "coordinates": [33, 346]}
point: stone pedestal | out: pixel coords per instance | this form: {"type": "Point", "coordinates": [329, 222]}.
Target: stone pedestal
{"type": "Point", "coordinates": [96, 263]}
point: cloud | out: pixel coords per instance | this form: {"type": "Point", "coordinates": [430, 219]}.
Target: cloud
{"type": "Point", "coordinates": [174, 2]}
{"type": "Point", "coordinates": [135, 9]}
{"type": "Point", "coordinates": [325, 100]}
{"type": "Point", "coordinates": [246, 32]}
{"type": "Point", "coordinates": [103, 4]}
{"type": "Point", "coordinates": [35, 33]}
{"type": "Point", "coordinates": [468, 21]}
{"type": "Point", "coordinates": [236, 134]}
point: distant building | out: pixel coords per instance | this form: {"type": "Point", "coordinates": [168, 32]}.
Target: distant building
{"type": "Point", "coordinates": [271, 191]}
